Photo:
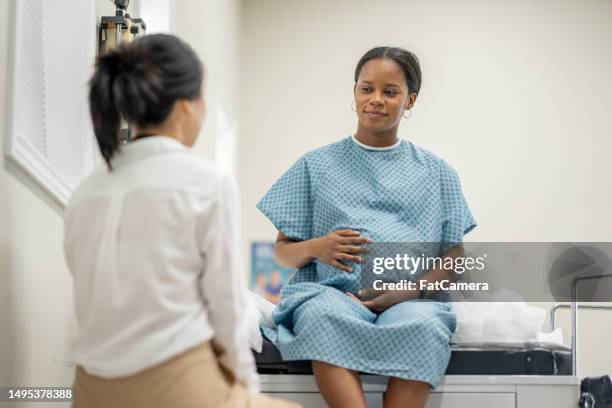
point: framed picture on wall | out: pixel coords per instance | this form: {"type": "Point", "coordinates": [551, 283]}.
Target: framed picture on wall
{"type": "Point", "coordinates": [267, 277]}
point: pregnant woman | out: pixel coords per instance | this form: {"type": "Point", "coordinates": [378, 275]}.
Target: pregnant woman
{"type": "Point", "coordinates": [368, 187]}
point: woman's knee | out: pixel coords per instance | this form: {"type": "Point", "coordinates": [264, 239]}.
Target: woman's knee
{"type": "Point", "coordinates": [325, 307]}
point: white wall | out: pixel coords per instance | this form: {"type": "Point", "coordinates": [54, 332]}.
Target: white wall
{"type": "Point", "coordinates": [212, 28]}
{"type": "Point", "coordinates": [36, 318]}
{"type": "Point", "coordinates": [515, 95]}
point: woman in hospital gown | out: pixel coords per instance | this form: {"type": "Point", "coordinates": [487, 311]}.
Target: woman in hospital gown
{"type": "Point", "coordinates": [367, 187]}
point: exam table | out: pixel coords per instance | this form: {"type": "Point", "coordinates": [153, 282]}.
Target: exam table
{"type": "Point", "coordinates": [479, 375]}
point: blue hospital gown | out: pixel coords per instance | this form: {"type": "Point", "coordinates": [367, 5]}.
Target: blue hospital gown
{"type": "Point", "coordinates": [402, 194]}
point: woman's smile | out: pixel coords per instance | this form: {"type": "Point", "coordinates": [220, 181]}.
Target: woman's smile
{"type": "Point", "coordinates": [375, 114]}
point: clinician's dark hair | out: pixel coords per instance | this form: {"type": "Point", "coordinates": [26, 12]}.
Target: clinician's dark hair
{"type": "Point", "coordinates": [408, 62]}
{"type": "Point", "coordinates": [140, 82]}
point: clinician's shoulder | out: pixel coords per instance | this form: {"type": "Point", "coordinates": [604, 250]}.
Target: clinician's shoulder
{"type": "Point", "coordinates": [184, 172]}
{"type": "Point", "coordinates": [88, 186]}
{"type": "Point", "coordinates": [204, 175]}
{"type": "Point", "coordinates": [195, 164]}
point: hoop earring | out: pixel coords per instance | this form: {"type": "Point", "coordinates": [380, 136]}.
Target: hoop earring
{"type": "Point", "coordinates": [409, 114]}
{"type": "Point", "coordinates": [353, 106]}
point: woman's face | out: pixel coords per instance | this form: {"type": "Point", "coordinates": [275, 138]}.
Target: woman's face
{"type": "Point", "coordinates": [381, 95]}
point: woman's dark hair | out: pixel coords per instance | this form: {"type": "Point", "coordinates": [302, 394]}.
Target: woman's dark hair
{"type": "Point", "coordinates": [408, 62]}
{"type": "Point", "coordinates": [139, 82]}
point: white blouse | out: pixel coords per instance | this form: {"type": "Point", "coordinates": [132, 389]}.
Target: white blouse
{"type": "Point", "coordinates": [154, 249]}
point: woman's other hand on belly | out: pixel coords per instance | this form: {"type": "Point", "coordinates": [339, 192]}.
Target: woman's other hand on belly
{"type": "Point", "coordinates": [381, 300]}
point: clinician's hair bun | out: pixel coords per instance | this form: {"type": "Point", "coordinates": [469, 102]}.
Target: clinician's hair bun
{"type": "Point", "coordinates": [140, 82]}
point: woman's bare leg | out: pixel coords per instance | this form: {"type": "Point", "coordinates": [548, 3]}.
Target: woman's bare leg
{"type": "Point", "coordinates": [340, 387]}
{"type": "Point", "coordinates": [406, 393]}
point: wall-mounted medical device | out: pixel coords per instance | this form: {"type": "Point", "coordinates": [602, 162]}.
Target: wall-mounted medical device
{"type": "Point", "coordinates": [119, 28]}
{"type": "Point", "coordinates": [115, 30]}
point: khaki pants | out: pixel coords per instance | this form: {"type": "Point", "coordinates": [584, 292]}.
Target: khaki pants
{"type": "Point", "coordinates": [191, 379]}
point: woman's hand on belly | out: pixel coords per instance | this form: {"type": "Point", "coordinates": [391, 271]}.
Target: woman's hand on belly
{"type": "Point", "coordinates": [339, 247]}
{"type": "Point", "coordinates": [381, 300]}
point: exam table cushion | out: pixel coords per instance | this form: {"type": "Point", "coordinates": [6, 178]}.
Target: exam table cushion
{"type": "Point", "coordinates": [466, 359]}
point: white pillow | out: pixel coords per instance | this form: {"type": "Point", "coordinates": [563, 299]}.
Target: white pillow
{"type": "Point", "coordinates": [264, 308]}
